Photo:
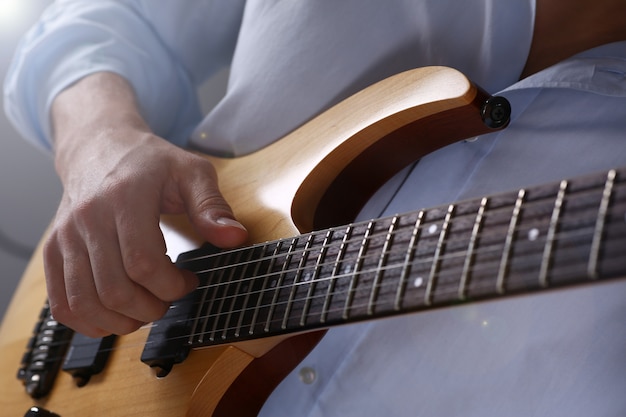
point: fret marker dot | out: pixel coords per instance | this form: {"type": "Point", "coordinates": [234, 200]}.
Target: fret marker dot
{"type": "Point", "coordinates": [347, 269]}
{"type": "Point", "coordinates": [533, 234]}
{"type": "Point", "coordinates": [273, 283]}
{"type": "Point", "coordinates": [307, 277]}
{"type": "Point", "coordinates": [432, 229]}
{"type": "Point", "coordinates": [419, 281]}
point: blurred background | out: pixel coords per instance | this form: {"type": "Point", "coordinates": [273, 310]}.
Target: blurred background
{"type": "Point", "coordinates": [29, 188]}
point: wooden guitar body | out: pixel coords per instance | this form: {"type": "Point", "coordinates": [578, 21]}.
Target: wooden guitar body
{"type": "Point", "coordinates": [317, 177]}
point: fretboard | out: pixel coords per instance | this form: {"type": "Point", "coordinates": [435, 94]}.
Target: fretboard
{"type": "Point", "coordinates": [566, 233]}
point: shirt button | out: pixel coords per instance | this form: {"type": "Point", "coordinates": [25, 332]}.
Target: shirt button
{"type": "Point", "coordinates": [307, 375]}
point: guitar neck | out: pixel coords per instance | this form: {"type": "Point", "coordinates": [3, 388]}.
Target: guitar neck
{"type": "Point", "coordinates": [550, 236]}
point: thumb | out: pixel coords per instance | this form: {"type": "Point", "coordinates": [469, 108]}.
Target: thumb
{"type": "Point", "coordinates": [210, 214]}
{"type": "Point", "coordinates": [223, 231]}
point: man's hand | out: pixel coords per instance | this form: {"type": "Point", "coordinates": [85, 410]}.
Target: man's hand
{"type": "Point", "coordinates": [105, 262]}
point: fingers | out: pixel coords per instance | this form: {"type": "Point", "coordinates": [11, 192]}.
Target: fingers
{"type": "Point", "coordinates": [117, 291]}
{"type": "Point", "coordinates": [109, 274]}
{"type": "Point", "coordinates": [145, 263]}
{"type": "Point", "coordinates": [72, 294]}
{"type": "Point", "coordinates": [208, 210]}
{"type": "Point", "coordinates": [106, 265]}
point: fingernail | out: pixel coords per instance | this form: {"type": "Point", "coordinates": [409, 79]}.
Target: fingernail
{"type": "Point", "coordinates": [225, 221]}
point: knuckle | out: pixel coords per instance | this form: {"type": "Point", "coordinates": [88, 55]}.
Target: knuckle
{"type": "Point", "coordinates": [79, 307]}
{"type": "Point", "coordinates": [85, 213]}
{"type": "Point", "coordinates": [213, 203]}
{"type": "Point", "coordinates": [61, 312]}
{"type": "Point", "coordinates": [63, 236]}
{"type": "Point", "coordinates": [139, 266]}
{"type": "Point", "coordinates": [210, 199]}
{"type": "Point", "coordinates": [80, 313]}
{"type": "Point", "coordinates": [202, 166]}
{"type": "Point", "coordinates": [115, 299]}
{"type": "Point", "coordinates": [190, 167]}
{"type": "Point", "coordinates": [50, 250]}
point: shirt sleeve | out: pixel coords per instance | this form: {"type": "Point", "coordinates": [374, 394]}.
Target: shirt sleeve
{"type": "Point", "coordinates": [165, 51]}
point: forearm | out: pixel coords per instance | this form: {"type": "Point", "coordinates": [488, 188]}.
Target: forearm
{"type": "Point", "coordinates": [154, 50]}
{"type": "Point", "coordinates": [88, 110]}
{"type": "Point", "coordinates": [96, 100]}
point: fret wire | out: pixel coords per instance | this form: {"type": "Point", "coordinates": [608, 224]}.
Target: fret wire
{"type": "Point", "coordinates": [279, 283]}
{"type": "Point", "coordinates": [381, 263]}
{"type": "Point", "coordinates": [220, 307]}
{"type": "Point", "coordinates": [333, 276]}
{"type": "Point", "coordinates": [237, 292]}
{"type": "Point", "coordinates": [297, 279]}
{"type": "Point", "coordinates": [200, 271]}
{"type": "Point", "coordinates": [346, 240]}
{"type": "Point", "coordinates": [428, 260]}
{"type": "Point", "coordinates": [440, 258]}
{"type": "Point", "coordinates": [319, 261]}
{"type": "Point", "coordinates": [266, 277]}
{"type": "Point", "coordinates": [449, 288]}
{"type": "Point", "coordinates": [205, 256]}
{"type": "Point", "coordinates": [470, 249]}
{"type": "Point", "coordinates": [194, 327]}
{"type": "Point", "coordinates": [594, 253]}
{"type": "Point", "coordinates": [357, 268]}
{"type": "Point", "coordinates": [445, 288]}
{"type": "Point", "coordinates": [399, 265]}
{"type": "Point", "coordinates": [255, 273]}
{"type": "Point", "coordinates": [508, 243]}
{"type": "Point", "coordinates": [554, 220]}
{"type": "Point", "coordinates": [428, 294]}
{"type": "Point", "coordinates": [408, 260]}
{"type": "Point", "coordinates": [220, 277]}
{"type": "Point", "coordinates": [553, 239]}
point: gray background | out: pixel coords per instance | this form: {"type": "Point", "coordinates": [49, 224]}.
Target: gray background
{"type": "Point", "coordinates": [29, 189]}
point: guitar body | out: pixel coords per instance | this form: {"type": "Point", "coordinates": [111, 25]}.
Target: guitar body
{"type": "Point", "coordinates": [318, 176]}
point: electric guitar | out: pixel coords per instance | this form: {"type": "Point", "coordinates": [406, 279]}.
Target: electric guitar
{"type": "Point", "coordinates": [261, 308]}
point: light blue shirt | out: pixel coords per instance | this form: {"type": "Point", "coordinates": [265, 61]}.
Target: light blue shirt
{"type": "Point", "coordinates": [556, 354]}
{"type": "Point", "coordinates": [288, 60]}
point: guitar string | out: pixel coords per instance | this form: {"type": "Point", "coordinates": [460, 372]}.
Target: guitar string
{"type": "Point", "coordinates": [444, 289]}
{"type": "Point", "coordinates": [454, 285]}
{"type": "Point", "coordinates": [451, 288]}
{"type": "Point", "coordinates": [127, 345]}
{"type": "Point", "coordinates": [423, 245]}
{"type": "Point", "coordinates": [477, 271]}
{"type": "Point", "coordinates": [382, 233]}
{"type": "Point", "coordinates": [460, 253]}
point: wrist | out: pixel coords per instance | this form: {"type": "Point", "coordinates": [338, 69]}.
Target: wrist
{"type": "Point", "coordinates": [90, 116]}
{"type": "Point", "coordinates": [98, 101]}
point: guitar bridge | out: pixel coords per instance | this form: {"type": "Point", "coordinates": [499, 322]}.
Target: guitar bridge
{"type": "Point", "coordinates": [44, 354]}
